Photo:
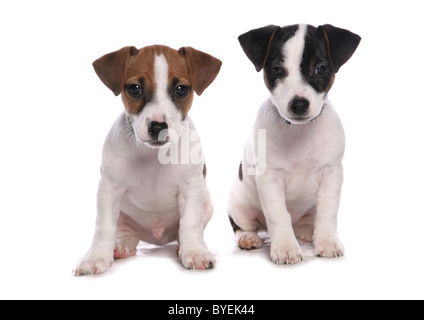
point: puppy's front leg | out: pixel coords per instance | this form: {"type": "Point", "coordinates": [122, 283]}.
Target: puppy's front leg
{"type": "Point", "coordinates": [193, 253]}
{"type": "Point", "coordinates": [100, 255]}
{"type": "Point", "coordinates": [326, 240]}
{"type": "Point", "coordinates": [284, 247]}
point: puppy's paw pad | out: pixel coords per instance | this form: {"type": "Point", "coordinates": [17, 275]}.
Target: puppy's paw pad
{"type": "Point", "coordinates": [329, 248]}
{"type": "Point", "coordinates": [249, 241]}
{"type": "Point", "coordinates": [199, 261]}
{"type": "Point", "coordinates": [286, 254]}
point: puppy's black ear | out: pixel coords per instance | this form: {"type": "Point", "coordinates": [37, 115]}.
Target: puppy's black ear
{"type": "Point", "coordinates": [256, 44]}
{"type": "Point", "coordinates": [341, 44]}
{"type": "Point", "coordinates": [111, 68]}
{"type": "Point", "coordinates": [202, 67]}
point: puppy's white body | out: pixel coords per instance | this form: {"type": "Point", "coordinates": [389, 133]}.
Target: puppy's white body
{"type": "Point", "coordinates": [153, 173]}
{"type": "Point", "coordinates": [152, 190]}
{"type": "Point", "coordinates": [290, 182]}
{"type": "Point", "coordinates": [303, 166]}
{"type": "Point", "coordinates": [141, 199]}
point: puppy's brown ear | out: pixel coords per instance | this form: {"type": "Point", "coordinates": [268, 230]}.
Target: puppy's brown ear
{"type": "Point", "coordinates": [203, 68]}
{"type": "Point", "coordinates": [341, 44]}
{"type": "Point", "coordinates": [256, 44]}
{"type": "Point", "coordinates": [111, 68]}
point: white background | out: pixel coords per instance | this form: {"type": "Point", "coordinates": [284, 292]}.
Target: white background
{"type": "Point", "coordinates": [55, 114]}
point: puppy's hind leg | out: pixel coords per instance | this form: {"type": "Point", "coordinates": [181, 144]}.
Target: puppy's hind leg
{"type": "Point", "coordinates": [247, 237]}
{"type": "Point", "coordinates": [125, 247]}
{"type": "Point", "coordinates": [244, 218]}
{"type": "Point", "coordinates": [304, 228]}
{"type": "Point", "coordinates": [126, 238]}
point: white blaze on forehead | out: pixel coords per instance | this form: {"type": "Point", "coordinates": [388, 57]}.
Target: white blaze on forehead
{"type": "Point", "coordinates": [293, 52]}
{"type": "Point", "coordinates": [160, 109]}
{"type": "Point", "coordinates": [294, 84]}
{"type": "Point", "coordinates": [161, 77]}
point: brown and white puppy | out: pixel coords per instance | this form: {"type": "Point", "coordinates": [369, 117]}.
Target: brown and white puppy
{"type": "Point", "coordinates": [153, 173]}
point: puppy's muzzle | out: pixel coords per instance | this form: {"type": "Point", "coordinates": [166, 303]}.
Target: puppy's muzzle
{"type": "Point", "coordinates": [299, 106]}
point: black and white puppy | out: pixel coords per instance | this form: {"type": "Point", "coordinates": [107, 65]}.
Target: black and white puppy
{"type": "Point", "coordinates": [291, 175]}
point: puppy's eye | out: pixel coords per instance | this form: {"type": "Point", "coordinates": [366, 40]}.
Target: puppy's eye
{"type": "Point", "coordinates": [321, 70]}
{"type": "Point", "coordinates": [181, 91]}
{"type": "Point", "coordinates": [135, 90]}
{"type": "Point", "coordinates": [278, 71]}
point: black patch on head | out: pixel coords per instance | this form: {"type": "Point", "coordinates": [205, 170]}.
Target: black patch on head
{"type": "Point", "coordinates": [327, 48]}
{"type": "Point", "coordinates": [316, 67]}
{"type": "Point", "coordinates": [256, 43]}
{"type": "Point", "coordinates": [341, 44]}
{"type": "Point", "coordinates": [241, 171]}
{"type": "Point", "coordinates": [234, 225]}
{"type": "Point", "coordinates": [275, 58]}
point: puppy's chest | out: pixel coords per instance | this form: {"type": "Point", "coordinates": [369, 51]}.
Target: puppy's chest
{"type": "Point", "coordinates": [300, 167]}
{"type": "Point", "coordinates": [301, 175]}
{"type": "Point", "coordinates": [302, 158]}
{"type": "Point", "coordinates": [154, 187]}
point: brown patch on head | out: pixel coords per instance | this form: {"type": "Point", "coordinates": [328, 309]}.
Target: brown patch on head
{"type": "Point", "coordinates": [131, 73]}
{"type": "Point", "coordinates": [112, 68]}
{"type": "Point", "coordinates": [180, 88]}
{"type": "Point", "coordinates": [203, 68]}
{"type": "Point", "coordinates": [141, 73]}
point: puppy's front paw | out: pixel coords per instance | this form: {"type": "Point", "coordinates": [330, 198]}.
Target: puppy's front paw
{"type": "Point", "coordinates": [288, 253]}
{"type": "Point", "coordinates": [328, 247]}
{"type": "Point", "coordinates": [201, 260]}
{"type": "Point", "coordinates": [92, 264]}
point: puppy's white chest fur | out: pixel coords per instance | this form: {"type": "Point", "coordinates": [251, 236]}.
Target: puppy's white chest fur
{"type": "Point", "coordinates": [309, 148]}
{"type": "Point", "coordinates": [151, 196]}
{"type": "Point", "coordinates": [298, 156]}
{"type": "Point", "coordinates": [151, 187]}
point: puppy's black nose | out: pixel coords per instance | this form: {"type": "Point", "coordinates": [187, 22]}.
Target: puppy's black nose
{"type": "Point", "coordinates": [299, 106]}
{"type": "Point", "coordinates": [155, 128]}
